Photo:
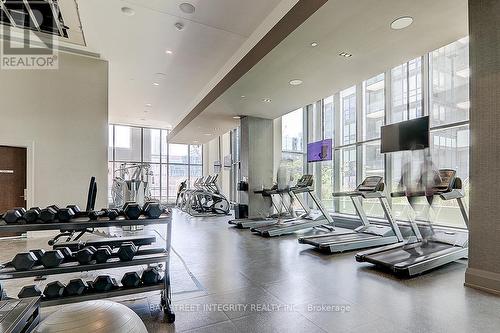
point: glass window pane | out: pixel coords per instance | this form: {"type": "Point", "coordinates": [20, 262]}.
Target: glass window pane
{"type": "Point", "coordinates": [327, 184]}
{"type": "Point", "coordinates": [450, 149]}
{"type": "Point", "coordinates": [406, 91]}
{"type": "Point", "coordinates": [164, 183]}
{"type": "Point", "coordinates": [449, 76]}
{"type": "Point", "coordinates": [127, 143]}
{"type": "Point", "coordinates": [155, 181]}
{"type": "Point", "coordinates": [195, 171]}
{"type": "Point", "coordinates": [164, 146]}
{"type": "Point", "coordinates": [195, 152]}
{"type": "Point", "coordinates": [176, 175]}
{"type": "Point", "coordinates": [373, 106]}
{"type": "Point", "coordinates": [295, 161]}
{"type": "Point", "coordinates": [151, 141]}
{"type": "Point", "coordinates": [348, 116]}
{"type": "Point", "coordinates": [328, 112]}
{"type": "Point", "coordinates": [110, 182]}
{"type": "Point", "coordinates": [373, 165]}
{"type": "Point", "coordinates": [178, 154]}
{"type": "Point", "coordinates": [110, 142]}
{"type": "Point", "coordinates": [293, 131]}
{"type": "Point", "coordinates": [347, 162]}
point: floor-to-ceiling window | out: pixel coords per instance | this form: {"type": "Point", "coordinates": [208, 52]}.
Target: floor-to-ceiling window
{"type": "Point", "coordinates": [169, 164]}
{"type": "Point", "coordinates": [292, 140]}
{"type": "Point", "coordinates": [436, 84]}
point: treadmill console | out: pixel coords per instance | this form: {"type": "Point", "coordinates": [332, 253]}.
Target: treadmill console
{"type": "Point", "coordinates": [371, 184]}
{"type": "Point", "coordinates": [305, 181]}
{"type": "Point", "coordinates": [447, 183]}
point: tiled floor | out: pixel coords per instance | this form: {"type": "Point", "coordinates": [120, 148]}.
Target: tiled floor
{"type": "Point", "coordinates": [244, 283]}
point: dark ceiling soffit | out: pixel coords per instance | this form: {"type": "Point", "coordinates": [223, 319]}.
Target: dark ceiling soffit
{"type": "Point", "coordinates": [291, 21]}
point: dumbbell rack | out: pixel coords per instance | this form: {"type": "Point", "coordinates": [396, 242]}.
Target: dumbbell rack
{"type": "Point", "coordinates": [70, 267]}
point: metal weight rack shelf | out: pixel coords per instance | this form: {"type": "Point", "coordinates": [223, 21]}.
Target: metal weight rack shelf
{"type": "Point", "coordinates": [71, 267]}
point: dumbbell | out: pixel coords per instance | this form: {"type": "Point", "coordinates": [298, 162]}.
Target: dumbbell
{"type": "Point", "coordinates": [150, 276]}
{"type": "Point", "coordinates": [104, 283]}
{"type": "Point", "coordinates": [152, 209]}
{"type": "Point", "coordinates": [76, 209]}
{"type": "Point", "coordinates": [25, 261]}
{"type": "Point", "coordinates": [65, 214]}
{"type": "Point", "coordinates": [32, 214]}
{"type": "Point", "coordinates": [85, 255]}
{"type": "Point", "coordinates": [29, 291]}
{"type": "Point", "coordinates": [131, 280]}
{"type": "Point", "coordinates": [77, 287]}
{"type": "Point", "coordinates": [48, 214]}
{"type": "Point", "coordinates": [54, 258]}
{"type": "Point", "coordinates": [54, 290]}
{"type": "Point", "coordinates": [125, 252]}
{"type": "Point", "coordinates": [14, 215]}
{"type": "Point", "coordinates": [132, 210]}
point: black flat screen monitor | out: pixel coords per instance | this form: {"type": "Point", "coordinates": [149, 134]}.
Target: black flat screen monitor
{"type": "Point", "coordinates": [407, 135]}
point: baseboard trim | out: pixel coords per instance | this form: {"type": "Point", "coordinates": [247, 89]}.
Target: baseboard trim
{"type": "Point", "coordinates": [482, 280]}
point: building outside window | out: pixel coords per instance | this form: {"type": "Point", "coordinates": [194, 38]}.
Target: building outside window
{"type": "Point", "coordinates": [170, 163]}
{"type": "Point", "coordinates": [293, 148]}
{"type": "Point", "coordinates": [436, 84]}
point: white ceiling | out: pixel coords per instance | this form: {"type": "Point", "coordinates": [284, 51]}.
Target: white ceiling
{"type": "Point", "coordinates": [135, 48]}
{"type": "Point", "coordinates": [360, 27]}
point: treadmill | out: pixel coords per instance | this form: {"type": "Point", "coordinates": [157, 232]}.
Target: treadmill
{"type": "Point", "coordinates": [419, 255]}
{"type": "Point", "coordinates": [272, 193]}
{"type": "Point", "coordinates": [367, 235]}
{"type": "Point", "coordinates": [309, 219]}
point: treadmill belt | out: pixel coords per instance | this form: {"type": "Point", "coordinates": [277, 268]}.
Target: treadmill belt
{"type": "Point", "coordinates": [410, 255]}
{"type": "Point", "coordinates": [337, 238]}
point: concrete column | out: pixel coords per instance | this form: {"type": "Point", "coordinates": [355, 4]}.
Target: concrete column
{"type": "Point", "coordinates": [484, 229]}
{"type": "Point", "coordinates": [257, 160]}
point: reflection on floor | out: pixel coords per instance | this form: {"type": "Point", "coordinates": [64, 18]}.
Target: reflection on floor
{"type": "Point", "coordinates": [245, 283]}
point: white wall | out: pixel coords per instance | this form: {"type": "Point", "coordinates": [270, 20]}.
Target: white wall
{"type": "Point", "coordinates": [61, 116]}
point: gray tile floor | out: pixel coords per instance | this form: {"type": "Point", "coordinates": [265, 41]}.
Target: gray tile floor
{"type": "Point", "coordinates": [244, 283]}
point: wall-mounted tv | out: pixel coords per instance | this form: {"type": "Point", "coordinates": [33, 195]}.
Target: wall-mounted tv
{"type": "Point", "coordinates": [407, 135]}
{"type": "Point", "coordinates": [319, 151]}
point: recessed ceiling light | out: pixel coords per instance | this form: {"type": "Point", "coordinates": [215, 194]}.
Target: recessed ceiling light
{"type": "Point", "coordinates": [236, 117]}
{"type": "Point", "coordinates": [143, 119]}
{"type": "Point", "coordinates": [243, 96]}
{"type": "Point", "coordinates": [295, 82]}
{"type": "Point", "coordinates": [314, 44]}
{"type": "Point", "coordinates": [169, 52]}
{"type": "Point", "coordinates": [187, 8]}
{"type": "Point", "coordinates": [208, 134]}
{"type": "Point", "coordinates": [345, 54]}
{"type": "Point", "coordinates": [401, 22]}
{"type": "Point", "coordinates": [195, 141]}
{"type": "Point", "coordinates": [128, 11]}
{"type": "Point", "coordinates": [148, 105]}
{"type": "Point", "coordinates": [156, 84]}
{"type": "Point", "coordinates": [266, 100]}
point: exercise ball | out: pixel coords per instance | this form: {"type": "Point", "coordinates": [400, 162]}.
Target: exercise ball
{"type": "Point", "coordinates": [98, 316]}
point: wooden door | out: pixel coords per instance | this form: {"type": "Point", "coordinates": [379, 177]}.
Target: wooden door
{"type": "Point", "coordinates": [12, 178]}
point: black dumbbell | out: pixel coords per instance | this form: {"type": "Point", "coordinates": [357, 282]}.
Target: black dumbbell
{"type": "Point", "coordinates": [23, 261]}
{"type": "Point", "coordinates": [48, 214]}
{"type": "Point", "coordinates": [65, 214]}
{"type": "Point", "coordinates": [104, 283]}
{"type": "Point", "coordinates": [78, 212]}
{"type": "Point", "coordinates": [77, 287]}
{"type": "Point", "coordinates": [54, 290]}
{"type": "Point", "coordinates": [85, 255]}
{"type": "Point", "coordinates": [131, 280]}
{"type": "Point", "coordinates": [14, 215]}
{"type": "Point", "coordinates": [102, 254]}
{"type": "Point", "coordinates": [132, 210]}
{"type": "Point", "coordinates": [39, 254]}
{"type": "Point", "coordinates": [30, 291]}
{"type": "Point", "coordinates": [153, 209]}
{"type": "Point", "coordinates": [52, 259]}
{"type": "Point", "coordinates": [151, 276]}
{"type": "Point", "coordinates": [31, 215]}
{"type": "Point", "coordinates": [113, 213]}
{"type": "Point", "coordinates": [126, 252]}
